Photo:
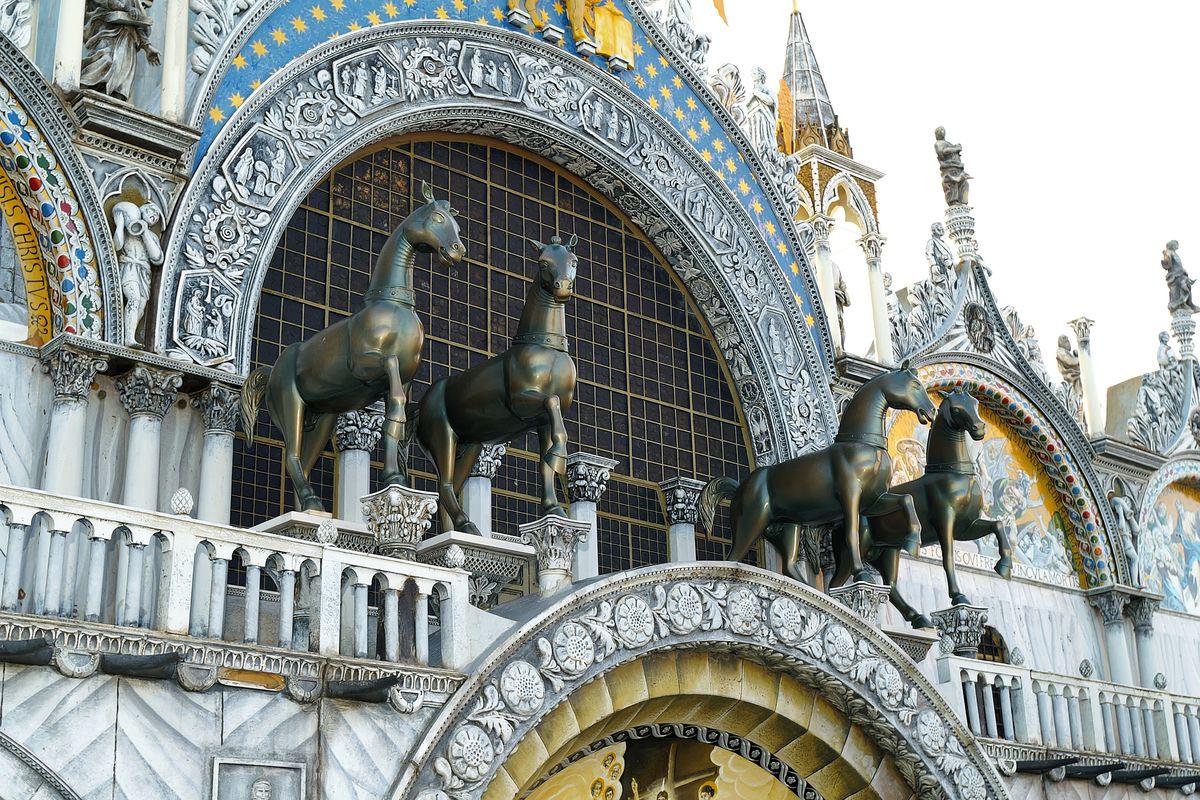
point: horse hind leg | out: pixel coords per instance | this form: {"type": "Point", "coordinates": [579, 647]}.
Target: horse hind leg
{"type": "Point", "coordinates": [441, 444]}
{"type": "Point", "coordinates": [316, 436]}
{"type": "Point", "coordinates": [288, 412]}
{"type": "Point", "coordinates": [984, 527]}
{"type": "Point", "coordinates": [749, 516]}
{"type": "Point", "coordinates": [888, 564]}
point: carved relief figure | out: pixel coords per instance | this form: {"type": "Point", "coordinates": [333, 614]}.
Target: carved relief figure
{"type": "Point", "coordinates": [1123, 511]}
{"type": "Point", "coordinates": [955, 180]}
{"type": "Point", "coordinates": [1178, 282]}
{"type": "Point", "coordinates": [138, 248]}
{"type": "Point", "coordinates": [116, 31]}
{"type": "Point", "coordinates": [841, 296]}
{"type": "Point", "coordinates": [261, 790]}
{"type": "Point", "coordinates": [1166, 356]}
{"type": "Point", "coordinates": [1068, 364]}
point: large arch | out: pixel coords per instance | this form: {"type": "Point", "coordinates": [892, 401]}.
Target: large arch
{"type": "Point", "coordinates": [22, 771]}
{"type": "Point", "coordinates": [62, 205]}
{"type": "Point", "coordinates": [304, 115]}
{"type": "Point", "coordinates": [739, 638]}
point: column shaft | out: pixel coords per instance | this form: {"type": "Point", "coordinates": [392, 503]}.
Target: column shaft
{"type": "Point", "coordinates": [989, 712]}
{"type": "Point", "coordinates": [1181, 737]}
{"type": "Point", "coordinates": [391, 625]}
{"type": "Point", "coordinates": [1062, 723]}
{"type": "Point", "coordinates": [216, 598]}
{"type": "Point", "coordinates": [1124, 727]}
{"type": "Point", "coordinates": [353, 483]}
{"type": "Point", "coordinates": [681, 542]}
{"type": "Point", "coordinates": [1006, 713]}
{"type": "Point", "coordinates": [68, 46]}
{"type": "Point", "coordinates": [1151, 736]}
{"type": "Point", "coordinates": [1045, 717]}
{"type": "Point", "coordinates": [1193, 726]}
{"type": "Point", "coordinates": [477, 502]}
{"type": "Point", "coordinates": [971, 695]}
{"type": "Point", "coordinates": [587, 554]}
{"type": "Point", "coordinates": [360, 620]}
{"type": "Point", "coordinates": [253, 599]}
{"type": "Point", "coordinates": [141, 461]}
{"type": "Point", "coordinates": [421, 627]}
{"type": "Point", "coordinates": [55, 569]}
{"type": "Point", "coordinates": [41, 570]}
{"type": "Point", "coordinates": [12, 567]}
{"type": "Point", "coordinates": [1111, 744]}
{"type": "Point", "coordinates": [133, 583]}
{"type": "Point", "coordinates": [1076, 721]}
{"type": "Point", "coordinates": [94, 603]}
{"type": "Point", "coordinates": [1118, 653]}
{"type": "Point", "coordinates": [287, 607]}
{"type": "Point", "coordinates": [216, 477]}
{"type": "Point", "coordinates": [174, 61]}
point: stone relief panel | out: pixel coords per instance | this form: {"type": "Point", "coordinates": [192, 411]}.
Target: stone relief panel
{"type": "Point", "coordinates": [491, 72]}
{"type": "Point", "coordinates": [258, 780]}
{"type": "Point", "coordinates": [309, 116]}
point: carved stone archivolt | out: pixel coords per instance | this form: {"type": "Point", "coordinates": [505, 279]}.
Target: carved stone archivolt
{"type": "Point", "coordinates": [746, 611]}
{"type": "Point", "coordinates": [305, 117]}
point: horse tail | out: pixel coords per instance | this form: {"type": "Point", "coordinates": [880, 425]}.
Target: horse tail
{"type": "Point", "coordinates": [252, 395]}
{"type": "Point", "coordinates": [714, 492]}
{"type": "Point", "coordinates": [411, 411]}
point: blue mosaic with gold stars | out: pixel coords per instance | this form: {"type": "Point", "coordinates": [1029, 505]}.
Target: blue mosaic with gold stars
{"type": "Point", "coordinates": [297, 26]}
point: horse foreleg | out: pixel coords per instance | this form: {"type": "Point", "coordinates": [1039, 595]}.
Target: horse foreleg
{"type": "Point", "coordinates": [984, 527]}
{"type": "Point", "coordinates": [945, 532]}
{"type": "Point", "coordinates": [548, 439]}
{"type": "Point", "coordinates": [394, 422]}
{"type": "Point", "coordinates": [465, 463]}
{"type": "Point", "coordinates": [851, 530]}
{"type": "Point", "coordinates": [315, 439]}
{"type": "Point", "coordinates": [791, 546]}
{"type": "Point", "coordinates": [888, 564]}
{"type": "Point", "coordinates": [287, 410]}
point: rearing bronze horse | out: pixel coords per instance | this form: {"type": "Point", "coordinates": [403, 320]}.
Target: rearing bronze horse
{"type": "Point", "coordinates": [526, 387]}
{"type": "Point", "coordinates": [845, 481]}
{"type": "Point", "coordinates": [949, 503]}
{"type": "Point", "coordinates": [353, 362]}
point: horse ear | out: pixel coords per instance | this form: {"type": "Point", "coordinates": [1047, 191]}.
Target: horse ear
{"type": "Point", "coordinates": [907, 364]}
{"type": "Point", "coordinates": [426, 191]}
{"type": "Point", "coordinates": [538, 246]}
{"type": "Point", "coordinates": [574, 241]}
{"type": "Point", "coordinates": [453, 212]}
{"type": "Point", "coordinates": [944, 394]}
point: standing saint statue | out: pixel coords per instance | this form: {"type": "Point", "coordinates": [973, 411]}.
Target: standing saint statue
{"type": "Point", "coordinates": [955, 180]}
{"type": "Point", "coordinates": [761, 122]}
{"type": "Point", "coordinates": [1122, 508]}
{"type": "Point", "coordinates": [842, 298]}
{"type": "Point", "coordinates": [138, 247]}
{"type": "Point", "coordinates": [1068, 364]}
{"type": "Point", "coordinates": [1178, 281]}
{"type": "Point", "coordinates": [116, 31]}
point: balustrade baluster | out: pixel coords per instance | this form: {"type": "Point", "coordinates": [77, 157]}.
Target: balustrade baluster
{"type": "Point", "coordinates": [1151, 736]}
{"type": "Point", "coordinates": [216, 598]}
{"type": "Point", "coordinates": [1111, 744]}
{"type": "Point", "coordinates": [1076, 720]}
{"type": "Point", "coordinates": [971, 695]}
{"type": "Point", "coordinates": [94, 602]}
{"type": "Point", "coordinates": [1139, 733]}
{"type": "Point", "coordinates": [9, 598]}
{"type": "Point", "coordinates": [1062, 722]}
{"type": "Point", "coordinates": [41, 570]}
{"type": "Point", "coordinates": [135, 554]}
{"type": "Point", "coordinates": [1181, 735]}
{"type": "Point", "coordinates": [1045, 715]}
{"type": "Point", "coordinates": [1124, 727]}
{"type": "Point", "coordinates": [287, 599]}
{"type": "Point", "coordinates": [1006, 713]}
{"type": "Point", "coordinates": [54, 569]}
{"type": "Point", "coordinates": [360, 620]}
{"type": "Point", "coordinates": [1193, 725]}
{"type": "Point", "coordinates": [421, 626]}
{"type": "Point", "coordinates": [989, 710]}
{"type": "Point", "coordinates": [253, 598]}
{"type": "Point", "coordinates": [391, 625]}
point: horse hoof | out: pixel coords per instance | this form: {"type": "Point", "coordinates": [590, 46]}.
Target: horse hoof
{"type": "Point", "coordinates": [863, 576]}
{"type": "Point", "coordinates": [912, 545]}
{"type": "Point", "coordinates": [313, 505]}
{"type": "Point", "coordinates": [922, 621]}
{"type": "Point", "coordinates": [1004, 567]}
{"type": "Point", "coordinates": [395, 479]}
{"type": "Point", "coordinates": [468, 527]}
{"type": "Point", "coordinates": [555, 510]}
{"type": "Point", "coordinates": [959, 599]}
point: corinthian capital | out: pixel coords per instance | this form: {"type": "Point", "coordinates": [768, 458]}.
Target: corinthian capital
{"type": "Point", "coordinates": [1110, 601]}
{"type": "Point", "coordinates": [587, 476]}
{"type": "Point", "coordinates": [219, 403]}
{"type": "Point", "coordinates": [821, 224]}
{"type": "Point", "coordinates": [554, 540]}
{"type": "Point", "coordinates": [489, 461]}
{"type": "Point", "coordinates": [147, 391]}
{"type": "Point", "coordinates": [358, 430]}
{"type": "Point", "coordinates": [1083, 331]}
{"type": "Point", "coordinates": [72, 372]}
{"type": "Point", "coordinates": [683, 498]}
{"type": "Point", "coordinates": [872, 245]}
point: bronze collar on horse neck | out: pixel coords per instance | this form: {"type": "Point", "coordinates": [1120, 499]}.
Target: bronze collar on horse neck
{"type": "Point", "coordinates": [952, 467]}
{"type": "Point", "coordinates": [401, 294]}
{"type": "Point", "coordinates": [876, 440]}
{"type": "Point", "coordinates": [554, 341]}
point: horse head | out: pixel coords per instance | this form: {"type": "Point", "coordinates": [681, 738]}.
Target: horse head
{"type": "Point", "coordinates": [433, 229]}
{"type": "Point", "coordinates": [903, 390]}
{"type": "Point", "coordinates": [961, 410]}
{"type": "Point", "coordinates": [556, 267]}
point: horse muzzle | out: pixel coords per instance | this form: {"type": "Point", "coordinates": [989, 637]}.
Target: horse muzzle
{"type": "Point", "coordinates": [978, 432]}
{"type": "Point", "coordinates": [563, 290]}
{"type": "Point", "coordinates": [453, 254]}
{"type": "Point", "coordinates": [925, 415]}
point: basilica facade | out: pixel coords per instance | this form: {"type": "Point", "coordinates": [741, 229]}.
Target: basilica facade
{"type": "Point", "coordinates": [563, 286]}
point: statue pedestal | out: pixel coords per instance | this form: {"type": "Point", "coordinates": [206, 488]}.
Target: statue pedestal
{"type": "Point", "coordinates": [554, 540]}
{"type": "Point", "coordinates": [960, 227]}
{"type": "Point", "coordinates": [398, 518]}
{"type": "Point", "coordinates": [1183, 326]}
{"type": "Point", "coordinates": [961, 628]}
{"type": "Point", "coordinates": [864, 599]}
{"type": "Point", "coordinates": [493, 562]}
{"type": "Point", "coordinates": [321, 528]}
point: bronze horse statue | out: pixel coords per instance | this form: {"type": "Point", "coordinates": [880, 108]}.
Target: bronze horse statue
{"type": "Point", "coordinates": [846, 481]}
{"type": "Point", "coordinates": [355, 361]}
{"type": "Point", "coordinates": [949, 504]}
{"type": "Point", "coordinates": [527, 387]}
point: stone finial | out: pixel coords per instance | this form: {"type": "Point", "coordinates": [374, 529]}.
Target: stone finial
{"type": "Point", "coordinates": [1110, 602]}
{"type": "Point", "coordinates": [221, 407]}
{"type": "Point", "coordinates": [554, 540]}
{"type": "Point", "coordinates": [358, 430]}
{"type": "Point", "coordinates": [1160, 681]}
{"type": "Point", "coordinates": [864, 599]}
{"type": "Point", "coordinates": [72, 372]}
{"type": "Point", "coordinates": [488, 463]}
{"type": "Point", "coordinates": [182, 502]}
{"type": "Point", "coordinates": [683, 499]}
{"type": "Point", "coordinates": [1086, 668]}
{"type": "Point", "coordinates": [1140, 610]}
{"type": "Point", "coordinates": [327, 532]}
{"type": "Point", "coordinates": [398, 517]}
{"type": "Point", "coordinates": [456, 557]}
{"type": "Point", "coordinates": [587, 476]}
{"type": "Point", "coordinates": [148, 391]}
{"type": "Point", "coordinates": [962, 627]}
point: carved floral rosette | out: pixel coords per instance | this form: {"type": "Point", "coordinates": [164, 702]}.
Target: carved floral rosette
{"type": "Point", "coordinates": [786, 627]}
{"type": "Point", "coordinates": [398, 518]}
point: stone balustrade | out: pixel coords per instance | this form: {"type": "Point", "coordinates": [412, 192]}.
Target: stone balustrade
{"type": "Point", "coordinates": [88, 561]}
{"type": "Point", "coordinates": [1071, 714]}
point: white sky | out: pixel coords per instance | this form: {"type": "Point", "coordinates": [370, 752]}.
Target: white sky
{"type": "Point", "coordinates": [1079, 123]}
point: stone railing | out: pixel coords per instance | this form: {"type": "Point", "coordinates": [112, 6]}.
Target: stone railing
{"type": "Point", "coordinates": [1056, 714]}
{"type": "Point", "coordinates": [84, 561]}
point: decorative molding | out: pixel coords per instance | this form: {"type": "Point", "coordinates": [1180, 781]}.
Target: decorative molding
{"type": "Point", "coordinates": [49, 776]}
{"type": "Point", "coordinates": [743, 610]}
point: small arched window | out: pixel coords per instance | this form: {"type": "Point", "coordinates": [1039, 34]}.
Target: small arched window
{"type": "Point", "coordinates": [992, 646]}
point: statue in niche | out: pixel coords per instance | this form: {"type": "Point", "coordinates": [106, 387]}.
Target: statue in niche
{"type": "Point", "coordinates": [955, 180]}
{"type": "Point", "coordinates": [1068, 364]}
{"type": "Point", "coordinates": [761, 122]}
{"type": "Point", "coordinates": [261, 790]}
{"type": "Point", "coordinates": [116, 31]}
{"type": "Point", "coordinates": [1178, 282]}
{"type": "Point", "coordinates": [138, 249]}
{"type": "Point", "coordinates": [841, 296]}
{"type": "Point", "coordinates": [1166, 356]}
{"type": "Point", "coordinates": [1122, 508]}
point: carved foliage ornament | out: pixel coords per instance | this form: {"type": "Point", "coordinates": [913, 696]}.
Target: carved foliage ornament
{"type": "Point", "coordinates": [614, 629]}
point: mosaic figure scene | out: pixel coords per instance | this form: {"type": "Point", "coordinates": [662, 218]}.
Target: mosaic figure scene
{"type": "Point", "coordinates": [512, 400]}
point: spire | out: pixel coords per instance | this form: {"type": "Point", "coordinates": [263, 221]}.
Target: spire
{"type": "Point", "coordinates": [813, 120]}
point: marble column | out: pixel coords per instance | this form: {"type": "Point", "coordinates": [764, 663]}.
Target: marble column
{"type": "Point", "coordinates": [872, 245]}
{"type": "Point", "coordinates": [220, 407]}
{"type": "Point", "coordinates": [287, 606]}
{"type": "Point", "coordinates": [173, 101]}
{"type": "Point", "coordinates": [1087, 377]}
{"type": "Point", "coordinates": [683, 498]}
{"type": "Point", "coordinates": [68, 44]}
{"type": "Point", "coordinates": [1141, 612]}
{"type": "Point", "coordinates": [72, 373]}
{"type": "Point", "coordinates": [356, 435]}
{"type": "Point", "coordinates": [1111, 602]}
{"type": "Point", "coordinates": [147, 394]}
{"type": "Point", "coordinates": [477, 491]}
{"type": "Point", "coordinates": [821, 225]}
{"type": "Point", "coordinates": [421, 626]}
{"type": "Point", "coordinates": [13, 567]}
{"type": "Point", "coordinates": [587, 478]}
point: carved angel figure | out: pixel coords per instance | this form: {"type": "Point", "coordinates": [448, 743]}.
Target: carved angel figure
{"type": "Point", "coordinates": [138, 248]}
{"type": "Point", "coordinates": [116, 31]}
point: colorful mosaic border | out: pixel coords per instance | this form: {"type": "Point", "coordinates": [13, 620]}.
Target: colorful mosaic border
{"type": "Point", "coordinates": [1091, 551]}
{"type": "Point", "coordinates": [289, 30]}
{"type": "Point", "coordinates": [70, 259]}
{"type": "Point", "coordinates": [1186, 470]}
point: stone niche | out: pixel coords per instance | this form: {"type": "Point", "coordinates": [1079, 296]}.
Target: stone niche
{"type": "Point", "coordinates": [258, 780]}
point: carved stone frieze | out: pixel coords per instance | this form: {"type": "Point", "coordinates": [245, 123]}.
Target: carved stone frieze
{"type": "Point", "coordinates": [683, 499]}
{"type": "Point", "coordinates": [220, 406]}
{"type": "Point", "coordinates": [488, 463]}
{"type": "Point", "coordinates": [398, 518]}
{"type": "Point", "coordinates": [1158, 421]}
{"type": "Point", "coordinates": [358, 430]}
{"type": "Point", "coordinates": [72, 372]}
{"type": "Point", "coordinates": [587, 476]}
{"type": "Point", "coordinates": [214, 21]}
{"type": "Point", "coordinates": [16, 21]}
{"type": "Point", "coordinates": [148, 391]}
{"type": "Point", "coordinates": [550, 109]}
